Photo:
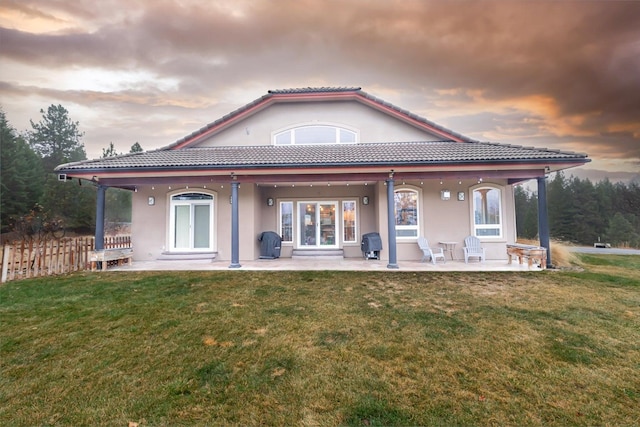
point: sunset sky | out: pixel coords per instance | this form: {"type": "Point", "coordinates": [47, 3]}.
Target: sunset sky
{"type": "Point", "coordinates": [555, 74]}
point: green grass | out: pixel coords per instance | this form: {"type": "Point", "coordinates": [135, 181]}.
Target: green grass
{"type": "Point", "coordinates": [324, 348]}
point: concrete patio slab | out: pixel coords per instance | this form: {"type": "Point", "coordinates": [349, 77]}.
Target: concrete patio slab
{"type": "Point", "coordinates": [351, 264]}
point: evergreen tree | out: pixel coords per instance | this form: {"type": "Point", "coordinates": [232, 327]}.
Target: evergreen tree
{"type": "Point", "coordinates": [586, 222]}
{"type": "Point", "coordinates": [559, 209]}
{"type": "Point", "coordinates": [117, 201]}
{"type": "Point", "coordinates": [136, 148]}
{"type": "Point", "coordinates": [605, 196]}
{"type": "Point", "coordinates": [109, 151]}
{"type": "Point", "coordinates": [621, 231]}
{"type": "Point", "coordinates": [20, 176]}
{"type": "Point", "coordinates": [526, 213]}
{"type": "Point", "coordinates": [57, 139]}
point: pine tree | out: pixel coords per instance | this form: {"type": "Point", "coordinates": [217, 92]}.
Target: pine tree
{"type": "Point", "coordinates": [560, 209]}
{"type": "Point", "coordinates": [118, 201]}
{"type": "Point", "coordinates": [21, 175]}
{"type": "Point", "coordinates": [586, 222]}
{"type": "Point", "coordinates": [621, 231]}
{"type": "Point", "coordinates": [136, 148]}
{"type": "Point", "coordinates": [57, 139]}
{"type": "Point", "coordinates": [109, 151]}
{"type": "Point", "coordinates": [526, 213]}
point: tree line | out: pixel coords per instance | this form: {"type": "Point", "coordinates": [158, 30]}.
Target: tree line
{"type": "Point", "coordinates": [582, 212]}
{"type": "Point", "coordinates": [32, 199]}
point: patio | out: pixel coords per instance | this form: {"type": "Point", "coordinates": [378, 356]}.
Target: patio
{"type": "Point", "coordinates": [349, 264]}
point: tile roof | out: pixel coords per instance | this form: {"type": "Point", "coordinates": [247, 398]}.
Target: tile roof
{"type": "Point", "coordinates": [346, 155]}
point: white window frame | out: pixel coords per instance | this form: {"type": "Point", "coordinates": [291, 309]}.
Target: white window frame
{"type": "Point", "coordinates": [293, 219]}
{"type": "Point", "coordinates": [355, 221]}
{"type": "Point", "coordinates": [336, 127]}
{"type": "Point", "coordinates": [192, 203]}
{"type": "Point", "coordinates": [418, 215]}
{"type": "Point", "coordinates": [500, 225]}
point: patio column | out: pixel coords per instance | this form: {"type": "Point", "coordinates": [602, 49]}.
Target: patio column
{"type": "Point", "coordinates": [543, 218]}
{"type": "Point", "coordinates": [391, 223]}
{"type": "Point", "coordinates": [235, 229]}
{"type": "Point", "coordinates": [99, 234]}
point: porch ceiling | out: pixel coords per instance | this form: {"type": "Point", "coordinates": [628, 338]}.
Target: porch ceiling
{"type": "Point", "coordinates": [324, 178]}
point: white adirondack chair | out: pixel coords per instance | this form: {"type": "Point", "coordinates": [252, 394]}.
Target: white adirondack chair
{"type": "Point", "coordinates": [427, 252]}
{"type": "Point", "coordinates": [473, 248]}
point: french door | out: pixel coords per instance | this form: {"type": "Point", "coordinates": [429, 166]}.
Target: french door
{"type": "Point", "coordinates": [317, 225]}
{"type": "Point", "coordinates": [191, 222]}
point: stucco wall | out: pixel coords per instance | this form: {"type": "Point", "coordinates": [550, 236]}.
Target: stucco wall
{"type": "Point", "coordinates": [148, 224]}
{"type": "Point", "coordinates": [372, 125]}
{"type": "Point", "coordinates": [319, 192]}
{"type": "Point", "coordinates": [440, 220]}
{"type": "Point", "coordinates": [447, 220]}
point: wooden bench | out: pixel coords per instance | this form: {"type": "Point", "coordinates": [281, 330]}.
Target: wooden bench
{"type": "Point", "coordinates": [529, 252]}
{"type": "Point", "coordinates": [105, 255]}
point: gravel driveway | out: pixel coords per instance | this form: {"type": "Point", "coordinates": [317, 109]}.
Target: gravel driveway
{"type": "Point", "coordinates": [611, 251]}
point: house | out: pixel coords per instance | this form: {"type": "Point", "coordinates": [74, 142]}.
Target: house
{"type": "Point", "coordinates": [321, 167]}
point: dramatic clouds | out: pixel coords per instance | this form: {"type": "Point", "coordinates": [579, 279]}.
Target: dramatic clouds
{"type": "Point", "coordinates": [557, 74]}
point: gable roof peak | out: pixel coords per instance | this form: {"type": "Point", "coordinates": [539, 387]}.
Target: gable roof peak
{"type": "Point", "coordinates": [311, 94]}
{"type": "Point", "coordinates": [309, 89]}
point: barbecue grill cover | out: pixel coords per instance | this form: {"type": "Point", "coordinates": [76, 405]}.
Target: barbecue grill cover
{"type": "Point", "coordinates": [270, 245]}
{"type": "Point", "coordinates": [371, 242]}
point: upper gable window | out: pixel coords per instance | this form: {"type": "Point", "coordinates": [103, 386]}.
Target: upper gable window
{"type": "Point", "coordinates": [315, 134]}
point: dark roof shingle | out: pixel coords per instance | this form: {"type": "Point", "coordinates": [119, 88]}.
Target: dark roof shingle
{"type": "Point", "coordinates": [371, 154]}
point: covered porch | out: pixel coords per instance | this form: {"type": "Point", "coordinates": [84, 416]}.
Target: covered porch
{"type": "Point", "coordinates": [373, 193]}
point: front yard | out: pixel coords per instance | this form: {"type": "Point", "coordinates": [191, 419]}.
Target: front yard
{"type": "Point", "coordinates": [324, 348]}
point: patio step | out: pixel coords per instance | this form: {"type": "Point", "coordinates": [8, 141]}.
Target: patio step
{"type": "Point", "coordinates": [319, 254]}
{"type": "Point", "coordinates": [183, 256]}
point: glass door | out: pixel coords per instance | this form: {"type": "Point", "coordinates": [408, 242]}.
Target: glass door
{"type": "Point", "coordinates": [191, 222]}
{"type": "Point", "coordinates": [317, 224]}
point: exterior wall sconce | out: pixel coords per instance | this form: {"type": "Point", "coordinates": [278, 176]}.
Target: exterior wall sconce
{"type": "Point", "coordinates": [270, 201]}
{"type": "Point", "coordinates": [365, 200]}
{"type": "Point", "coordinates": [461, 196]}
{"type": "Point", "coordinates": [151, 201]}
{"type": "Point", "coordinates": [445, 194]}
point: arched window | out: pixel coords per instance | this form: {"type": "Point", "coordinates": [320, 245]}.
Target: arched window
{"type": "Point", "coordinates": [487, 212]}
{"type": "Point", "coordinates": [315, 134]}
{"type": "Point", "coordinates": [407, 213]}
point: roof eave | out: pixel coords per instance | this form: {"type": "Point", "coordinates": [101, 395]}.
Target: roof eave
{"type": "Point", "coordinates": [551, 164]}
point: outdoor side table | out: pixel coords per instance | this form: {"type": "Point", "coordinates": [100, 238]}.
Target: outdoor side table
{"type": "Point", "coordinates": [450, 247]}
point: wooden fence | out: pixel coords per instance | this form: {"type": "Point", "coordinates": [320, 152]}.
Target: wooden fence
{"type": "Point", "coordinates": [27, 259]}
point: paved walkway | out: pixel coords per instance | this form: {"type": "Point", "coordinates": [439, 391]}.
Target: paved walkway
{"type": "Point", "coordinates": [349, 264]}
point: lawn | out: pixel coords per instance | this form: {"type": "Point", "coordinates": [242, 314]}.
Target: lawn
{"type": "Point", "coordinates": [551, 348]}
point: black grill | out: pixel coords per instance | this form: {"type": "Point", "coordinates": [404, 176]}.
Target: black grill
{"type": "Point", "coordinates": [270, 245]}
{"type": "Point", "coordinates": [371, 245]}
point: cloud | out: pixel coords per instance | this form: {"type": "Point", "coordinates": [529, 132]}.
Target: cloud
{"type": "Point", "coordinates": [541, 71]}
